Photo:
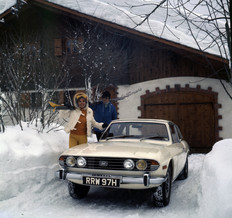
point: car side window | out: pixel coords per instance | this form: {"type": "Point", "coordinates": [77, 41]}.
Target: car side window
{"type": "Point", "coordinates": [178, 133]}
{"type": "Point", "coordinates": [174, 134]}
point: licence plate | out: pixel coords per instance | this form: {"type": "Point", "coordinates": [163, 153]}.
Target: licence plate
{"type": "Point", "coordinates": [101, 181]}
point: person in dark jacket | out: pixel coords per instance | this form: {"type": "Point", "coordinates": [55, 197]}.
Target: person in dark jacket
{"type": "Point", "coordinates": [104, 112]}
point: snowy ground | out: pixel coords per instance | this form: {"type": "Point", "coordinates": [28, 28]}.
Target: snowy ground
{"type": "Point", "coordinates": [28, 187]}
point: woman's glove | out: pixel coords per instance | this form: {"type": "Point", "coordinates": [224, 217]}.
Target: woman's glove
{"type": "Point", "coordinates": [67, 129]}
{"type": "Point", "coordinates": [104, 125]}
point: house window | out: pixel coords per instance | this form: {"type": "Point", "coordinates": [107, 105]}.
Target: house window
{"type": "Point", "coordinates": [28, 48]}
{"type": "Point", "coordinates": [36, 99]}
{"type": "Point", "coordinates": [32, 48]}
{"type": "Point", "coordinates": [31, 100]}
{"type": "Point", "coordinates": [68, 46]}
{"type": "Point", "coordinates": [57, 97]}
{"type": "Point", "coordinates": [174, 133]}
{"type": "Point", "coordinates": [74, 46]}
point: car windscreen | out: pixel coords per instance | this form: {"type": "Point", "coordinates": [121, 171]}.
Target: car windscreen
{"type": "Point", "coordinates": [139, 130]}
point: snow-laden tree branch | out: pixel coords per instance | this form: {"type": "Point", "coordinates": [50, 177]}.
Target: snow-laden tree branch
{"type": "Point", "coordinates": [96, 57]}
{"type": "Point", "coordinates": [208, 22]}
{"type": "Point", "coordinates": [213, 27]}
{"type": "Point", "coordinates": [29, 79]}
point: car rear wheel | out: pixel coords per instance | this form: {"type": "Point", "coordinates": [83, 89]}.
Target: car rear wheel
{"type": "Point", "coordinates": [161, 194]}
{"type": "Point", "coordinates": [184, 173]}
{"type": "Point", "coordinates": [77, 191]}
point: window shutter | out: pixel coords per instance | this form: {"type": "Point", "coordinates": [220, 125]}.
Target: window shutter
{"type": "Point", "coordinates": [25, 100]}
{"type": "Point", "coordinates": [58, 47]}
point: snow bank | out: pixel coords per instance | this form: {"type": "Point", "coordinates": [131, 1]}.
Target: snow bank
{"type": "Point", "coordinates": [29, 188]}
{"type": "Point", "coordinates": [216, 181]}
{"type": "Point", "coordinates": [28, 157]}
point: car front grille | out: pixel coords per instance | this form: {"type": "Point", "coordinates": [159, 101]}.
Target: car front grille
{"type": "Point", "coordinates": [108, 163]}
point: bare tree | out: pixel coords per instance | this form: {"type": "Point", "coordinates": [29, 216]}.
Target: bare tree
{"type": "Point", "coordinates": [208, 22]}
{"type": "Point", "coordinates": [2, 125]}
{"type": "Point", "coordinates": [212, 20]}
{"type": "Point", "coordinates": [98, 55]}
{"type": "Point", "coordinates": [29, 79]}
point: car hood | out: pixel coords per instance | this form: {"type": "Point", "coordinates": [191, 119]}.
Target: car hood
{"type": "Point", "coordinates": [118, 149]}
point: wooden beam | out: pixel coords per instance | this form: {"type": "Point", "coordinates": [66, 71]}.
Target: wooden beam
{"type": "Point", "coordinates": [5, 13]}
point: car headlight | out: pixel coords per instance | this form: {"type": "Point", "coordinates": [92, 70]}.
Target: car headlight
{"type": "Point", "coordinates": [70, 161]}
{"type": "Point", "coordinates": [81, 162]}
{"type": "Point", "coordinates": [141, 164]}
{"type": "Point", "coordinates": [129, 164]}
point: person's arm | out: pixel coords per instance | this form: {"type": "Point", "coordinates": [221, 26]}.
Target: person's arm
{"type": "Point", "coordinates": [97, 125]}
{"type": "Point", "coordinates": [64, 114]}
{"type": "Point", "coordinates": [94, 105]}
{"type": "Point", "coordinates": [94, 123]}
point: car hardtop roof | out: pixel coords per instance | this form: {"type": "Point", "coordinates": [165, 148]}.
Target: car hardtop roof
{"type": "Point", "coordinates": [142, 120]}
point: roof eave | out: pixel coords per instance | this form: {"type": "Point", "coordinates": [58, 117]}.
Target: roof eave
{"type": "Point", "coordinates": [5, 13]}
{"type": "Point", "coordinates": [132, 31]}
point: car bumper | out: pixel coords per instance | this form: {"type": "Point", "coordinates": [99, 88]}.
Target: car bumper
{"type": "Point", "coordinates": [145, 180]}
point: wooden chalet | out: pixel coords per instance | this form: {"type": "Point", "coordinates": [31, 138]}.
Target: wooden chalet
{"type": "Point", "coordinates": [138, 57]}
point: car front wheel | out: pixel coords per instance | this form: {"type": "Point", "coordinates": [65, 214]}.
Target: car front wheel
{"type": "Point", "coordinates": [162, 193]}
{"type": "Point", "coordinates": [184, 173]}
{"type": "Point", "coordinates": [77, 191]}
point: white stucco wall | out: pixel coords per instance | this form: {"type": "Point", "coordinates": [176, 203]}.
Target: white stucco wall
{"type": "Point", "coordinates": [128, 107]}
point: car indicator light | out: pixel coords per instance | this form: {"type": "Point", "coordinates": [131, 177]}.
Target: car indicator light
{"type": "Point", "coordinates": [154, 165]}
{"type": "Point", "coordinates": [164, 167]}
{"type": "Point", "coordinates": [61, 160]}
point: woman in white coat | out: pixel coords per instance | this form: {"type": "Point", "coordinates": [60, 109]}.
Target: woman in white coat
{"type": "Point", "coordinates": [80, 120]}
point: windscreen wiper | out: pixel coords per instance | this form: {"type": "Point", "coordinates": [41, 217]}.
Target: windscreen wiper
{"type": "Point", "coordinates": [119, 136]}
{"type": "Point", "coordinates": [154, 137]}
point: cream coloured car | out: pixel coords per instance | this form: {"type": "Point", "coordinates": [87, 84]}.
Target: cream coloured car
{"type": "Point", "coordinates": [131, 154]}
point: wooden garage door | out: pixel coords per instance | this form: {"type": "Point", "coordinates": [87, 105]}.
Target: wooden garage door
{"type": "Point", "coordinates": [192, 111]}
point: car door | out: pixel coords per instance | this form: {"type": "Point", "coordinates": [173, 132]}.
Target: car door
{"type": "Point", "coordinates": [183, 155]}
{"type": "Point", "coordinates": [178, 148]}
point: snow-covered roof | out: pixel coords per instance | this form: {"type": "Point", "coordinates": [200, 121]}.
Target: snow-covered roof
{"type": "Point", "coordinates": [6, 4]}
{"type": "Point", "coordinates": [129, 14]}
